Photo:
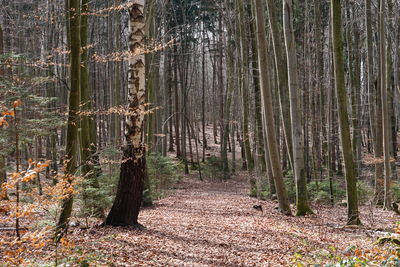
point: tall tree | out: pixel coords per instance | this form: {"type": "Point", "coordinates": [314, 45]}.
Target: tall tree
{"type": "Point", "coordinates": [126, 206]}
{"type": "Point", "coordinates": [71, 151]}
{"type": "Point", "coordinates": [266, 93]}
{"type": "Point", "coordinates": [244, 86]}
{"type": "Point", "coordinates": [87, 147]}
{"type": "Point", "coordinates": [295, 112]}
{"type": "Point", "coordinates": [385, 112]}
{"type": "Point", "coordinates": [282, 73]}
{"type": "Point", "coordinates": [351, 179]}
{"type": "Point", "coordinates": [375, 110]}
{"type": "Point", "coordinates": [3, 163]}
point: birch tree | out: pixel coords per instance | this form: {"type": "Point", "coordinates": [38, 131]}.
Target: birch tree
{"type": "Point", "coordinates": [126, 206]}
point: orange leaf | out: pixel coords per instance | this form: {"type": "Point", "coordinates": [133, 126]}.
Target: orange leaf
{"type": "Point", "coordinates": [17, 103]}
{"type": "Point", "coordinates": [8, 113]}
{"type": "Point", "coordinates": [358, 253]}
{"type": "Point", "coordinates": [3, 122]}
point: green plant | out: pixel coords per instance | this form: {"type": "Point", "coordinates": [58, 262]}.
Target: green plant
{"type": "Point", "coordinates": [365, 192]}
{"type": "Point", "coordinates": [321, 192]}
{"type": "Point", "coordinates": [92, 197]}
{"type": "Point", "coordinates": [290, 186]}
{"type": "Point", "coordinates": [396, 191]}
{"type": "Point", "coordinates": [212, 168]}
{"type": "Point", "coordinates": [163, 174]}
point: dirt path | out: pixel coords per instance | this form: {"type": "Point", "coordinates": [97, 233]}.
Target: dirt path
{"type": "Point", "coordinates": [214, 224]}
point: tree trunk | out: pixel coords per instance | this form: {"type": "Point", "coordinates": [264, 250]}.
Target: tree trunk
{"type": "Point", "coordinates": [283, 201]}
{"type": "Point", "coordinates": [351, 179]}
{"type": "Point", "coordinates": [177, 111]}
{"type": "Point", "coordinates": [86, 144]}
{"type": "Point", "coordinates": [3, 177]}
{"type": "Point", "coordinates": [126, 206]}
{"type": "Point", "coordinates": [203, 96]}
{"type": "Point", "coordinates": [117, 81]}
{"type": "Point", "coordinates": [282, 73]}
{"type": "Point", "coordinates": [71, 154]}
{"type": "Point", "coordinates": [385, 112]}
{"type": "Point", "coordinates": [3, 171]}
{"type": "Point", "coordinates": [244, 87]}
{"type": "Point", "coordinates": [370, 70]}
{"type": "Point", "coordinates": [295, 112]}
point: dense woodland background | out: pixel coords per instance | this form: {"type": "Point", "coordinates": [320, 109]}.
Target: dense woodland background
{"type": "Point", "coordinates": [299, 99]}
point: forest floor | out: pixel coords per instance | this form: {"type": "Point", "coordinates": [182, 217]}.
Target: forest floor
{"type": "Point", "coordinates": [214, 224]}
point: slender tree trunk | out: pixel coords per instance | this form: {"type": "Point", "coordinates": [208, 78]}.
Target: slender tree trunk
{"type": "Point", "coordinates": [221, 82]}
{"type": "Point", "coordinates": [227, 108]}
{"type": "Point", "coordinates": [3, 177]}
{"type": "Point", "coordinates": [261, 151]}
{"type": "Point", "coordinates": [282, 73]}
{"type": "Point", "coordinates": [203, 96]}
{"type": "Point", "coordinates": [244, 88]}
{"type": "Point", "coordinates": [71, 155]}
{"type": "Point", "coordinates": [283, 200]}
{"type": "Point", "coordinates": [356, 95]}
{"type": "Point", "coordinates": [320, 99]}
{"type": "Point", "coordinates": [86, 149]}
{"type": "Point", "coordinates": [3, 172]}
{"type": "Point", "coordinates": [295, 112]}
{"type": "Point", "coordinates": [177, 111]}
{"type": "Point", "coordinates": [370, 70]}
{"type": "Point", "coordinates": [351, 179]}
{"type": "Point", "coordinates": [385, 112]}
{"type": "Point", "coordinates": [117, 74]}
{"type": "Point", "coordinates": [168, 85]}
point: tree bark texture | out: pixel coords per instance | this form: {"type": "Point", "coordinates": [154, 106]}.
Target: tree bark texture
{"type": "Point", "coordinates": [126, 206]}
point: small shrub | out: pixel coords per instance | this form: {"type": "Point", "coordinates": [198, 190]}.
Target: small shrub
{"type": "Point", "coordinates": [396, 191]}
{"type": "Point", "coordinates": [94, 199]}
{"type": "Point", "coordinates": [290, 186]}
{"type": "Point", "coordinates": [253, 192]}
{"type": "Point", "coordinates": [365, 192]}
{"type": "Point", "coordinates": [265, 194]}
{"type": "Point", "coordinates": [212, 168]}
{"type": "Point", "coordinates": [98, 190]}
{"type": "Point", "coordinates": [163, 174]}
{"type": "Point", "coordinates": [321, 193]}
{"type": "Point", "coordinates": [322, 197]}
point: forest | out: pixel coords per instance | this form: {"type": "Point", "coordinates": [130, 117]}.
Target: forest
{"type": "Point", "coordinates": [199, 132]}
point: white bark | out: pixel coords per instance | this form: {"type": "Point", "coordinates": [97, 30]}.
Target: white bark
{"type": "Point", "coordinates": [136, 78]}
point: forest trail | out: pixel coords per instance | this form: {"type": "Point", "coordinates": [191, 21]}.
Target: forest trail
{"type": "Point", "coordinates": [214, 224]}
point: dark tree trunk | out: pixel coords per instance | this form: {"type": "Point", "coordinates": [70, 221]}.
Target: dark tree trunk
{"type": "Point", "coordinates": [125, 209]}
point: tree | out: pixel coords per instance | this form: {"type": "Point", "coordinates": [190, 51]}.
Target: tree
{"type": "Point", "coordinates": [385, 112]}
{"type": "Point", "coordinates": [3, 171]}
{"type": "Point", "coordinates": [126, 206]}
{"type": "Point", "coordinates": [351, 179]}
{"type": "Point", "coordinates": [71, 155]}
{"type": "Point", "coordinates": [295, 112]}
{"type": "Point", "coordinates": [87, 144]}
{"type": "Point", "coordinates": [375, 114]}
{"type": "Point", "coordinates": [281, 70]}
{"type": "Point", "coordinates": [244, 94]}
{"type": "Point", "coordinates": [274, 157]}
